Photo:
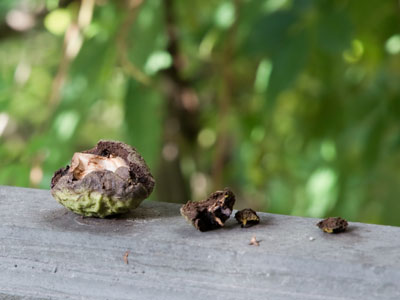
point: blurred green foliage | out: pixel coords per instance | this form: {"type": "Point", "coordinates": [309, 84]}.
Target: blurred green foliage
{"type": "Point", "coordinates": [295, 104]}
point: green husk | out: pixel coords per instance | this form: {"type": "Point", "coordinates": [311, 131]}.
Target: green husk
{"type": "Point", "coordinates": [94, 204]}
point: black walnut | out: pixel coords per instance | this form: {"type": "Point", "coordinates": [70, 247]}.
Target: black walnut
{"type": "Point", "coordinates": [111, 178]}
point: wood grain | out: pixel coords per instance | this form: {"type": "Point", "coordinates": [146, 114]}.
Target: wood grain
{"type": "Point", "coordinates": [47, 252]}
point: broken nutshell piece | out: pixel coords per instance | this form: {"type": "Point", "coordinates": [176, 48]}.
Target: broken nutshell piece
{"type": "Point", "coordinates": [247, 217]}
{"type": "Point", "coordinates": [126, 254]}
{"type": "Point", "coordinates": [210, 213]}
{"type": "Point", "coordinates": [254, 241]}
{"type": "Point", "coordinates": [333, 225]}
{"type": "Point", "coordinates": [111, 178]}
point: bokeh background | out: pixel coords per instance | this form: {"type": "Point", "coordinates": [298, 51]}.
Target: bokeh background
{"type": "Point", "coordinates": [294, 104]}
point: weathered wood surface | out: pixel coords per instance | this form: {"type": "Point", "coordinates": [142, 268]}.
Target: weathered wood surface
{"type": "Point", "coordinates": [47, 252]}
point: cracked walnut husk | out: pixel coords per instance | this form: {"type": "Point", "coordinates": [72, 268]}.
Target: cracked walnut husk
{"type": "Point", "coordinates": [210, 213]}
{"type": "Point", "coordinates": [333, 225]}
{"type": "Point", "coordinates": [247, 217]}
{"type": "Point", "coordinates": [111, 178]}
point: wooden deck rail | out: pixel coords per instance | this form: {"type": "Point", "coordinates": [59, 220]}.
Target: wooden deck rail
{"type": "Point", "coordinates": [47, 252]}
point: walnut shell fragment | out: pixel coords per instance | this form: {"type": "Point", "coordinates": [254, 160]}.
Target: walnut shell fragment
{"type": "Point", "coordinates": [247, 217]}
{"type": "Point", "coordinates": [333, 225]}
{"type": "Point", "coordinates": [254, 241]}
{"type": "Point", "coordinates": [111, 178]}
{"type": "Point", "coordinates": [210, 213]}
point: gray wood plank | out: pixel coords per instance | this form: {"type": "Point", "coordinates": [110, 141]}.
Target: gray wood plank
{"type": "Point", "coordinates": [47, 252]}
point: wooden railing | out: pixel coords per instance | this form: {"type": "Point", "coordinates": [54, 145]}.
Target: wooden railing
{"type": "Point", "coordinates": [47, 252]}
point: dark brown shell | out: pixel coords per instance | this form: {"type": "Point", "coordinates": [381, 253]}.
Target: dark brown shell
{"type": "Point", "coordinates": [333, 225]}
{"type": "Point", "coordinates": [247, 217]}
{"type": "Point", "coordinates": [210, 213]}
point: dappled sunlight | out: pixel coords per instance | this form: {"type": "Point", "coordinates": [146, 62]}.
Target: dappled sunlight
{"type": "Point", "coordinates": [392, 45]}
{"type": "Point", "coordinates": [322, 192]}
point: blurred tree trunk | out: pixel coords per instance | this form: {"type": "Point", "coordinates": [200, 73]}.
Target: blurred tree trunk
{"type": "Point", "coordinates": [181, 121]}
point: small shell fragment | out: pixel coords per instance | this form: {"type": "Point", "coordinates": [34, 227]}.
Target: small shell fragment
{"type": "Point", "coordinates": [254, 241]}
{"type": "Point", "coordinates": [333, 225]}
{"type": "Point", "coordinates": [247, 217]}
{"type": "Point", "coordinates": [126, 254]}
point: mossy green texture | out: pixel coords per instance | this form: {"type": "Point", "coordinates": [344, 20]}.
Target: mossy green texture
{"type": "Point", "coordinates": [94, 204]}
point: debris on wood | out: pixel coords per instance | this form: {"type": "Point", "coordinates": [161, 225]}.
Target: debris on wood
{"type": "Point", "coordinates": [247, 217]}
{"type": "Point", "coordinates": [210, 213]}
{"type": "Point", "coordinates": [311, 238]}
{"type": "Point", "coordinates": [254, 241]}
{"type": "Point", "coordinates": [333, 225]}
{"type": "Point", "coordinates": [126, 257]}
{"type": "Point", "coordinates": [111, 178]}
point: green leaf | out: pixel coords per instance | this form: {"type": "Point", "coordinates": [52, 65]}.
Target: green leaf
{"type": "Point", "coordinates": [287, 65]}
{"type": "Point", "coordinates": [334, 32]}
{"type": "Point", "coordinates": [143, 118]}
{"type": "Point", "coordinates": [270, 33]}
